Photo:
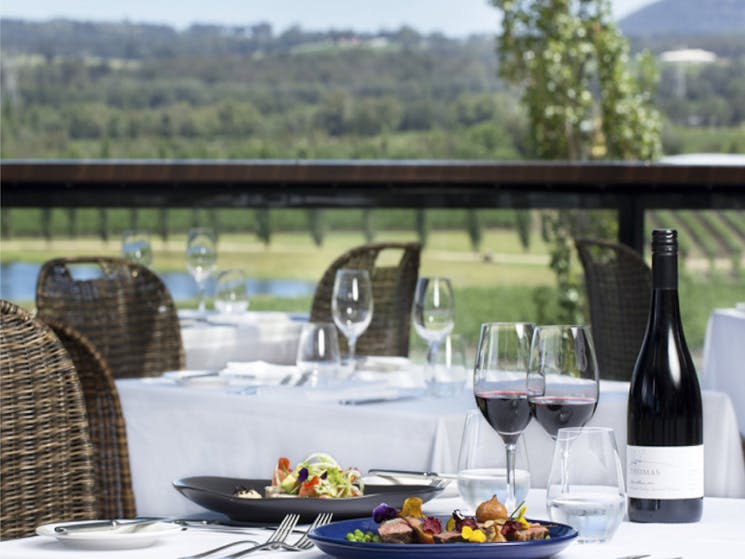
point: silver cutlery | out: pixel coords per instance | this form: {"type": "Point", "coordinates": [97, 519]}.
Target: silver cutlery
{"type": "Point", "coordinates": [434, 476]}
{"type": "Point", "coordinates": [276, 540]}
{"type": "Point", "coordinates": [280, 534]}
{"type": "Point", "coordinates": [102, 525]}
{"type": "Point", "coordinates": [375, 400]}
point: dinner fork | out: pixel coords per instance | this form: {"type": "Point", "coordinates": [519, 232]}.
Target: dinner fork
{"type": "Point", "coordinates": [279, 535]}
{"type": "Point", "coordinates": [303, 543]}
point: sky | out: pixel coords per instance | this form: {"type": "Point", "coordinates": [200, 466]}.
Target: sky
{"type": "Point", "coordinates": [452, 17]}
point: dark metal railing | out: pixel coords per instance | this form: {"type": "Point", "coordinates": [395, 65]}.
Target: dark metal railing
{"type": "Point", "coordinates": [629, 188]}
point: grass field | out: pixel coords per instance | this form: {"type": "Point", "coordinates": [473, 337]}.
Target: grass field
{"type": "Point", "coordinates": [499, 283]}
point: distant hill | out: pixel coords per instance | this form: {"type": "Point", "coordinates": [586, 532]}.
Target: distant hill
{"type": "Point", "coordinates": [686, 17]}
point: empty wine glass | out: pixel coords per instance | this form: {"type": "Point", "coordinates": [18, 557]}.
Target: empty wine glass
{"type": "Point", "coordinates": [201, 259]}
{"type": "Point", "coordinates": [500, 385]}
{"type": "Point", "coordinates": [433, 315]}
{"type": "Point", "coordinates": [231, 295]}
{"type": "Point", "coordinates": [136, 247]}
{"type": "Point", "coordinates": [563, 379]}
{"type": "Point", "coordinates": [352, 305]}
{"type": "Point", "coordinates": [318, 359]}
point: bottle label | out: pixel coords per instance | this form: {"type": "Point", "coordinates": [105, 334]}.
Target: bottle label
{"type": "Point", "coordinates": [665, 472]}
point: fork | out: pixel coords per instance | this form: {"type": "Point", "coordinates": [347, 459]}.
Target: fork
{"type": "Point", "coordinates": [303, 543]}
{"type": "Point", "coordinates": [279, 535]}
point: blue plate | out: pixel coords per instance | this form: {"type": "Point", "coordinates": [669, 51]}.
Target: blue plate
{"type": "Point", "coordinates": [331, 539]}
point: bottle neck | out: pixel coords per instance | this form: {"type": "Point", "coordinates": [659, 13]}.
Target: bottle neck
{"type": "Point", "coordinates": [665, 271]}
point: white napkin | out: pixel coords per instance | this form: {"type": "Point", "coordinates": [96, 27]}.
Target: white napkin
{"type": "Point", "coordinates": [257, 372]}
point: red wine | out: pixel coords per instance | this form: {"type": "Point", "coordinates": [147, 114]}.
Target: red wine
{"type": "Point", "coordinates": [555, 412]}
{"type": "Point", "coordinates": [508, 412]}
{"type": "Point", "coordinates": [665, 453]}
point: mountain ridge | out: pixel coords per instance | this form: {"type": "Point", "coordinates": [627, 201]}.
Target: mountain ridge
{"type": "Point", "coordinates": [685, 17]}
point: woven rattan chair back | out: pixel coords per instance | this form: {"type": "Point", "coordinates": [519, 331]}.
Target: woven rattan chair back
{"type": "Point", "coordinates": [114, 495]}
{"type": "Point", "coordinates": [393, 293]}
{"type": "Point", "coordinates": [619, 285]}
{"type": "Point", "coordinates": [125, 311]}
{"type": "Point", "coordinates": [46, 473]}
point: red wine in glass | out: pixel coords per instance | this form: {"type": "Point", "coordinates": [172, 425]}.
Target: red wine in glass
{"type": "Point", "coordinates": [507, 411]}
{"type": "Point", "coordinates": [555, 412]}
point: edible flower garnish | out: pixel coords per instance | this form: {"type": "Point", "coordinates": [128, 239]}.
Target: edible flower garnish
{"type": "Point", "coordinates": [471, 535]}
{"type": "Point", "coordinates": [384, 512]}
{"type": "Point", "coordinates": [412, 507]}
{"type": "Point", "coordinates": [302, 475]}
{"type": "Point", "coordinates": [319, 475]}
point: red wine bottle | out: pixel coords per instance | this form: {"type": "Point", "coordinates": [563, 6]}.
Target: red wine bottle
{"type": "Point", "coordinates": [665, 452]}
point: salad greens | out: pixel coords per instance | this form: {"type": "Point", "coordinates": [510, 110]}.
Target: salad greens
{"type": "Point", "coordinates": [319, 475]}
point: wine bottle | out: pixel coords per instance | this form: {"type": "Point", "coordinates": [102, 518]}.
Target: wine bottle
{"type": "Point", "coordinates": [665, 452]}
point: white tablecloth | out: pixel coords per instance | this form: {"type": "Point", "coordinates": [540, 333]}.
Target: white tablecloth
{"type": "Point", "coordinates": [724, 357]}
{"type": "Point", "coordinates": [251, 336]}
{"type": "Point", "coordinates": [718, 535]}
{"type": "Point", "coordinates": [178, 431]}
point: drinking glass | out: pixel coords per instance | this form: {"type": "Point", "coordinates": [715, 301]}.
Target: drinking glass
{"type": "Point", "coordinates": [231, 295]}
{"type": "Point", "coordinates": [318, 358]}
{"type": "Point", "coordinates": [482, 468]}
{"type": "Point", "coordinates": [433, 315]}
{"type": "Point", "coordinates": [201, 259]}
{"type": "Point", "coordinates": [563, 379]}
{"type": "Point", "coordinates": [352, 305]}
{"type": "Point", "coordinates": [585, 488]}
{"type": "Point", "coordinates": [136, 247]}
{"type": "Point", "coordinates": [449, 372]}
{"type": "Point", "coordinates": [500, 385]}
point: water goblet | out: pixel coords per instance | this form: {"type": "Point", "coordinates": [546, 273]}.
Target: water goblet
{"type": "Point", "coordinates": [449, 373]}
{"type": "Point", "coordinates": [231, 295]}
{"type": "Point", "coordinates": [563, 380]}
{"type": "Point", "coordinates": [201, 259]}
{"type": "Point", "coordinates": [482, 468]}
{"type": "Point", "coordinates": [318, 358]}
{"type": "Point", "coordinates": [585, 488]}
{"type": "Point", "coordinates": [352, 306]}
{"type": "Point", "coordinates": [136, 247]}
{"type": "Point", "coordinates": [433, 315]}
{"type": "Point", "coordinates": [500, 385]}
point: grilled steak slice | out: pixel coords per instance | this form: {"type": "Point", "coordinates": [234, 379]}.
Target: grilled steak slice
{"type": "Point", "coordinates": [532, 533]}
{"type": "Point", "coordinates": [448, 537]}
{"type": "Point", "coordinates": [396, 530]}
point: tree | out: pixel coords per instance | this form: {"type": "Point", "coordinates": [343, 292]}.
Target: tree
{"type": "Point", "coordinates": [263, 225]}
{"type": "Point", "coordinates": [316, 225]}
{"type": "Point", "coordinates": [582, 101]}
{"type": "Point", "coordinates": [473, 224]}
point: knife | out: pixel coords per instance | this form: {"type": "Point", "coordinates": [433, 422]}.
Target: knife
{"type": "Point", "coordinates": [374, 400]}
{"type": "Point", "coordinates": [408, 473]}
{"type": "Point", "coordinates": [102, 525]}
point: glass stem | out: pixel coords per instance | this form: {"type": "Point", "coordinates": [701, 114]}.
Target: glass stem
{"type": "Point", "coordinates": [510, 502]}
{"type": "Point", "coordinates": [202, 306]}
{"type": "Point", "coordinates": [352, 343]}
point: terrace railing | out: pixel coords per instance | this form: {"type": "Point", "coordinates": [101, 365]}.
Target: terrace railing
{"type": "Point", "coordinates": [628, 188]}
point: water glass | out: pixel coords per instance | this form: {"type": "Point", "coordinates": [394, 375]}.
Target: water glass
{"type": "Point", "coordinates": [231, 295]}
{"type": "Point", "coordinates": [201, 259]}
{"type": "Point", "coordinates": [318, 357]}
{"type": "Point", "coordinates": [136, 247]}
{"type": "Point", "coordinates": [585, 487]}
{"type": "Point", "coordinates": [448, 374]}
{"type": "Point", "coordinates": [482, 469]}
{"type": "Point", "coordinates": [352, 305]}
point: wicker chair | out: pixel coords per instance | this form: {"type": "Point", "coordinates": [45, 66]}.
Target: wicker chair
{"type": "Point", "coordinates": [619, 286]}
{"type": "Point", "coordinates": [46, 468]}
{"type": "Point", "coordinates": [114, 494]}
{"type": "Point", "coordinates": [126, 312]}
{"type": "Point", "coordinates": [393, 292]}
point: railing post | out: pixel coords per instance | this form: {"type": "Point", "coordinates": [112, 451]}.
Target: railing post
{"type": "Point", "coordinates": [631, 223]}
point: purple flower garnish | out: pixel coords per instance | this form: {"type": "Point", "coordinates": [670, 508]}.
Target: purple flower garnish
{"type": "Point", "coordinates": [302, 475]}
{"type": "Point", "coordinates": [384, 512]}
{"type": "Point", "coordinates": [324, 475]}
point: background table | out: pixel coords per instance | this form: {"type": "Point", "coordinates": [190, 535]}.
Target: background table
{"type": "Point", "coordinates": [176, 431]}
{"type": "Point", "coordinates": [251, 336]}
{"type": "Point", "coordinates": [724, 357]}
{"type": "Point", "coordinates": [719, 534]}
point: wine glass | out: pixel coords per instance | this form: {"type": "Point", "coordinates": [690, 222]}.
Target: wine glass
{"type": "Point", "coordinates": [231, 296]}
{"type": "Point", "coordinates": [201, 259]}
{"type": "Point", "coordinates": [433, 315]}
{"type": "Point", "coordinates": [136, 247]}
{"type": "Point", "coordinates": [563, 379]}
{"type": "Point", "coordinates": [352, 305]}
{"type": "Point", "coordinates": [318, 358]}
{"type": "Point", "coordinates": [500, 385]}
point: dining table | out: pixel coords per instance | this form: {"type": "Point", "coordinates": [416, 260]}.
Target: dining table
{"type": "Point", "coordinates": [226, 425]}
{"type": "Point", "coordinates": [719, 534]}
{"type": "Point", "coordinates": [723, 363]}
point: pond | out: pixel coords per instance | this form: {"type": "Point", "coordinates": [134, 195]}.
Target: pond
{"type": "Point", "coordinates": [18, 284]}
